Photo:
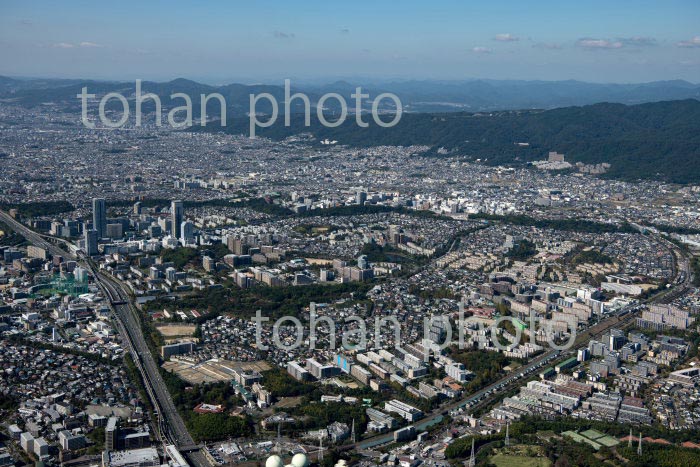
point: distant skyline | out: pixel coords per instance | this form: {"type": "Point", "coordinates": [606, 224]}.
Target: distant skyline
{"type": "Point", "coordinates": [267, 41]}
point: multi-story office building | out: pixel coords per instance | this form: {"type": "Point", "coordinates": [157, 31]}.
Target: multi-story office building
{"type": "Point", "coordinates": [380, 417]}
{"type": "Point", "coordinates": [404, 410]}
{"type": "Point", "coordinates": [111, 434]}
{"type": "Point", "coordinates": [187, 231]}
{"type": "Point", "coordinates": [91, 239]}
{"type": "Point", "coordinates": [99, 216]}
{"type": "Point", "coordinates": [114, 231]}
{"type": "Point", "coordinates": [169, 350]}
{"type": "Point", "coordinates": [177, 216]}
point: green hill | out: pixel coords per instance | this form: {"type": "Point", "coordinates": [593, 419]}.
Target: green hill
{"type": "Point", "coordinates": [659, 140]}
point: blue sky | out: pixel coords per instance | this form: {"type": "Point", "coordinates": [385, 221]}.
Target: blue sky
{"type": "Point", "coordinates": [224, 41]}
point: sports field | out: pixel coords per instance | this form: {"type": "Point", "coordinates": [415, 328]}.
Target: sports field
{"type": "Point", "coordinates": [172, 330]}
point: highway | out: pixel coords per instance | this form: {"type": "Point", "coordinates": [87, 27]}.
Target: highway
{"type": "Point", "coordinates": [170, 425]}
{"type": "Point", "coordinates": [33, 237]}
{"type": "Point", "coordinates": [170, 422]}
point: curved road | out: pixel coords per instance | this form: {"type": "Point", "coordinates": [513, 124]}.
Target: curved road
{"type": "Point", "coordinates": [171, 424]}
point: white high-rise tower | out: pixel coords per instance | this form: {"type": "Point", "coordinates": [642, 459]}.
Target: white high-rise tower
{"type": "Point", "coordinates": [177, 215]}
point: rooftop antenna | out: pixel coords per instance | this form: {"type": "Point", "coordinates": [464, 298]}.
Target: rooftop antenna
{"type": "Point", "coordinates": [639, 448]}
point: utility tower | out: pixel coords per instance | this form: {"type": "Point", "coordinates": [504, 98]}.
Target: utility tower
{"type": "Point", "coordinates": [629, 440]}
{"type": "Point", "coordinates": [320, 448]}
{"type": "Point", "coordinates": [639, 448]}
{"type": "Point", "coordinates": [278, 448]}
{"type": "Point", "coordinates": [472, 458]}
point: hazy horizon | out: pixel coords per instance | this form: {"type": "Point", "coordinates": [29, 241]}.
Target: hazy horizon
{"type": "Point", "coordinates": [227, 41]}
{"type": "Point", "coordinates": [330, 79]}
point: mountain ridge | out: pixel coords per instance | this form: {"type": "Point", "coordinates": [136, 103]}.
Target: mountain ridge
{"type": "Point", "coordinates": [647, 140]}
{"type": "Point", "coordinates": [416, 95]}
{"type": "Point", "coordinates": [659, 140]}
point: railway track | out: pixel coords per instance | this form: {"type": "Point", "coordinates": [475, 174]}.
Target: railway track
{"type": "Point", "coordinates": [169, 427]}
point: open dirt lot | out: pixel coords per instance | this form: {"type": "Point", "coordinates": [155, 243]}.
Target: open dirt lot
{"type": "Point", "coordinates": [172, 330]}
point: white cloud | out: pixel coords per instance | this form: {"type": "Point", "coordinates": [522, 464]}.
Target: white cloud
{"type": "Point", "coordinates": [694, 42]}
{"type": "Point", "coordinates": [69, 45]}
{"type": "Point", "coordinates": [283, 35]}
{"type": "Point", "coordinates": [638, 41]}
{"type": "Point", "coordinates": [506, 38]}
{"type": "Point", "coordinates": [482, 50]}
{"type": "Point", "coordinates": [547, 45]}
{"type": "Point", "coordinates": [593, 44]}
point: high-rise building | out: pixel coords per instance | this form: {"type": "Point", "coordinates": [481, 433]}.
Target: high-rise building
{"type": "Point", "coordinates": [111, 433]}
{"type": "Point", "coordinates": [187, 231]}
{"type": "Point", "coordinates": [170, 274]}
{"type": "Point", "coordinates": [177, 214]}
{"type": "Point", "coordinates": [237, 246]}
{"type": "Point", "coordinates": [80, 274]}
{"type": "Point", "coordinates": [208, 264]}
{"type": "Point", "coordinates": [326, 275]}
{"type": "Point", "coordinates": [114, 231]}
{"type": "Point", "coordinates": [363, 262]}
{"type": "Point", "coordinates": [91, 242]}
{"type": "Point", "coordinates": [617, 340]}
{"type": "Point", "coordinates": [361, 197]}
{"type": "Point", "coordinates": [99, 216]}
{"type": "Point", "coordinates": [154, 231]}
{"type": "Point", "coordinates": [165, 224]}
{"type": "Point", "coordinates": [583, 355]}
